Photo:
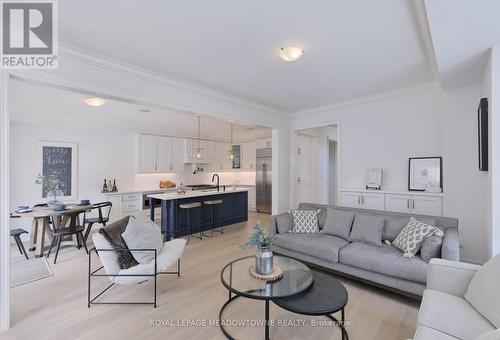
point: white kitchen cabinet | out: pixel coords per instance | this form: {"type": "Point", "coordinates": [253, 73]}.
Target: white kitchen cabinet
{"type": "Point", "coordinates": [398, 203]}
{"type": "Point", "coordinates": [177, 157]}
{"type": "Point", "coordinates": [427, 205]}
{"type": "Point", "coordinates": [147, 153]}
{"type": "Point", "coordinates": [203, 147]}
{"type": "Point", "coordinates": [373, 201]}
{"type": "Point", "coordinates": [124, 205]}
{"type": "Point", "coordinates": [403, 202]}
{"type": "Point", "coordinates": [248, 155]}
{"type": "Point", "coordinates": [221, 160]}
{"type": "Point", "coordinates": [116, 208]}
{"type": "Point", "coordinates": [163, 154]}
{"type": "Point", "coordinates": [351, 199]}
{"type": "Point", "coordinates": [252, 204]}
{"type": "Point", "coordinates": [264, 143]}
{"type": "Point", "coordinates": [158, 154]}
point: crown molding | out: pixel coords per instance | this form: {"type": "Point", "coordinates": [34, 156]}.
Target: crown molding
{"type": "Point", "coordinates": [427, 86]}
{"type": "Point", "coordinates": [103, 63]}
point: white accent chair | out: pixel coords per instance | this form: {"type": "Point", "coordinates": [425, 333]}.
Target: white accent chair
{"type": "Point", "coordinates": [169, 255]}
{"type": "Point", "coordinates": [444, 313]}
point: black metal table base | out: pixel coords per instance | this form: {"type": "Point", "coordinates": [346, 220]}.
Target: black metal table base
{"type": "Point", "coordinates": [340, 324]}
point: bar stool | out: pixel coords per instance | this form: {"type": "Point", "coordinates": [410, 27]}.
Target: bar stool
{"type": "Point", "coordinates": [189, 207]}
{"type": "Point", "coordinates": [213, 205]}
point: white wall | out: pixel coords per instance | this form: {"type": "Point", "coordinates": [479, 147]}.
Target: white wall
{"type": "Point", "coordinates": [386, 132]}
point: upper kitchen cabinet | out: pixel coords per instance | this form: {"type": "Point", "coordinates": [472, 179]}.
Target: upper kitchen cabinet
{"type": "Point", "coordinates": [198, 152]}
{"type": "Point", "coordinates": [221, 160]}
{"type": "Point", "coordinates": [159, 154]}
{"type": "Point", "coordinates": [248, 156]}
{"type": "Point", "coordinates": [264, 143]}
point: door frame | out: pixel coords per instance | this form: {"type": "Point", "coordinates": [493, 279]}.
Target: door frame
{"type": "Point", "coordinates": [337, 197]}
{"type": "Point", "coordinates": [293, 132]}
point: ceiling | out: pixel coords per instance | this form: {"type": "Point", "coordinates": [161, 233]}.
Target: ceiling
{"type": "Point", "coordinates": [353, 48]}
{"type": "Point", "coordinates": [47, 105]}
{"type": "Point", "coordinates": [462, 32]}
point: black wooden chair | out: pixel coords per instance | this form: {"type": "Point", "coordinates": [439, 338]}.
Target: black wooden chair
{"type": "Point", "coordinates": [16, 233]}
{"type": "Point", "coordinates": [102, 218]}
{"type": "Point", "coordinates": [73, 228]}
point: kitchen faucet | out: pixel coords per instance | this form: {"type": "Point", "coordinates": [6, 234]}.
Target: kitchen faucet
{"type": "Point", "coordinates": [217, 180]}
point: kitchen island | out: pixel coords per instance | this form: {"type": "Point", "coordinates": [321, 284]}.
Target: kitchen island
{"type": "Point", "coordinates": [234, 209]}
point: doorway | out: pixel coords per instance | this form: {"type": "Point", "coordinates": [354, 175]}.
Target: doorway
{"type": "Point", "coordinates": [316, 165]}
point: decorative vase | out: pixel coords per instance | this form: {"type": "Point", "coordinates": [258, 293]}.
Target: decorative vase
{"type": "Point", "coordinates": [264, 261]}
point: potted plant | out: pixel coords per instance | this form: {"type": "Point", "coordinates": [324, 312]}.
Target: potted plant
{"type": "Point", "coordinates": [264, 258]}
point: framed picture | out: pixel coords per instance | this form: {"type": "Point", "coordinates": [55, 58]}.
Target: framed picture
{"type": "Point", "coordinates": [482, 133]}
{"type": "Point", "coordinates": [424, 173]}
{"type": "Point", "coordinates": [58, 168]}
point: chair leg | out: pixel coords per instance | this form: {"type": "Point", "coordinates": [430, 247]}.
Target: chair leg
{"type": "Point", "coordinates": [16, 238]}
{"type": "Point", "coordinates": [54, 239]}
{"type": "Point", "coordinates": [83, 241]}
{"type": "Point", "coordinates": [58, 247]}
{"type": "Point", "coordinates": [87, 232]}
{"type": "Point", "coordinates": [20, 246]}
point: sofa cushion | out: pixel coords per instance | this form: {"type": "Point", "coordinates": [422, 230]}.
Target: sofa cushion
{"type": "Point", "coordinates": [324, 247]}
{"type": "Point", "coordinates": [395, 223]}
{"type": "Point", "coordinates": [284, 222]}
{"type": "Point", "coordinates": [431, 248]}
{"type": "Point", "coordinates": [385, 260]}
{"type": "Point", "coordinates": [338, 223]}
{"type": "Point", "coordinates": [426, 333]}
{"type": "Point", "coordinates": [484, 292]}
{"type": "Point", "coordinates": [452, 315]}
{"type": "Point", "coordinates": [413, 235]}
{"type": "Point", "coordinates": [321, 214]}
{"type": "Point", "coordinates": [368, 229]}
{"type": "Point", "coordinates": [491, 335]}
{"type": "Point", "coordinates": [305, 221]}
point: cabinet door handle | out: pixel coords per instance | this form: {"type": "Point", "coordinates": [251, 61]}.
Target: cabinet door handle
{"type": "Point", "coordinates": [413, 204]}
{"type": "Point", "coordinates": [408, 203]}
{"type": "Point", "coordinates": [363, 200]}
{"type": "Point", "coordinates": [359, 200]}
{"type": "Point", "coordinates": [298, 150]}
{"type": "Point", "coordinates": [298, 179]}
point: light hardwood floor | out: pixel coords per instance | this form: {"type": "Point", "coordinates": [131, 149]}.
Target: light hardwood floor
{"type": "Point", "coordinates": [56, 307]}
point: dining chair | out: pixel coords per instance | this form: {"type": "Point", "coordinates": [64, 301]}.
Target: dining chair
{"type": "Point", "coordinates": [60, 231]}
{"type": "Point", "coordinates": [102, 218]}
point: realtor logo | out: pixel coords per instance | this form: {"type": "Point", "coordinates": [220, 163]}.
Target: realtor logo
{"type": "Point", "coordinates": [29, 34]}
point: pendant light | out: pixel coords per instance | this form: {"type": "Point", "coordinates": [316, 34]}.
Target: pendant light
{"type": "Point", "coordinates": [198, 149]}
{"type": "Point", "coordinates": [231, 153]}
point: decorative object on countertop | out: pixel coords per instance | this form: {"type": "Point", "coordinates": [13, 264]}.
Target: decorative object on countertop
{"type": "Point", "coordinates": [196, 168]}
{"type": "Point", "coordinates": [425, 172]}
{"type": "Point", "coordinates": [264, 258]}
{"type": "Point", "coordinates": [374, 179]}
{"type": "Point", "coordinates": [275, 275]}
{"type": "Point", "coordinates": [109, 186]}
{"type": "Point", "coordinates": [181, 189]}
{"type": "Point", "coordinates": [167, 185]}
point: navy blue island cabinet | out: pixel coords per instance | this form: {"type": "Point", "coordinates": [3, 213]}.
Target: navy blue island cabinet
{"type": "Point", "coordinates": [234, 209]}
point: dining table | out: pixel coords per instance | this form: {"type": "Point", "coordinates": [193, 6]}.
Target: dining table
{"type": "Point", "coordinates": [40, 217]}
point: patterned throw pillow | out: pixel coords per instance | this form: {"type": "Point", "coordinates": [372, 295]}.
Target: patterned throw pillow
{"type": "Point", "coordinates": [412, 236]}
{"type": "Point", "coordinates": [305, 221]}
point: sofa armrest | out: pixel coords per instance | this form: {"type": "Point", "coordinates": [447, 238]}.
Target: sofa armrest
{"type": "Point", "coordinates": [451, 245]}
{"type": "Point", "coordinates": [273, 225]}
{"type": "Point", "coordinates": [449, 276]}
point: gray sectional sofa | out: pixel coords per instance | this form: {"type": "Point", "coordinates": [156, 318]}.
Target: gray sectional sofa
{"type": "Point", "coordinates": [381, 265]}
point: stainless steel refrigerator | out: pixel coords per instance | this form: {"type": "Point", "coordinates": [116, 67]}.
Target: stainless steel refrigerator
{"type": "Point", "coordinates": [264, 186]}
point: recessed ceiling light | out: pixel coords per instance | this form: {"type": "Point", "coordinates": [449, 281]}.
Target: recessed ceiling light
{"type": "Point", "coordinates": [95, 101]}
{"type": "Point", "coordinates": [291, 52]}
{"type": "Point", "coordinates": [145, 110]}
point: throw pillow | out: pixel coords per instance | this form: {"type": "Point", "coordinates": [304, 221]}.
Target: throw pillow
{"type": "Point", "coordinates": [305, 221]}
{"type": "Point", "coordinates": [412, 236]}
{"type": "Point", "coordinates": [367, 229]}
{"type": "Point", "coordinates": [113, 234]}
{"type": "Point", "coordinates": [338, 223]}
{"type": "Point", "coordinates": [483, 292]}
{"type": "Point", "coordinates": [315, 207]}
{"type": "Point", "coordinates": [491, 335]}
{"type": "Point", "coordinates": [284, 223]}
{"type": "Point", "coordinates": [431, 248]}
{"type": "Point", "coordinates": [141, 234]}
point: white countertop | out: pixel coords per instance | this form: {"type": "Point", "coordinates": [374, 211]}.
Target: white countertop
{"type": "Point", "coordinates": [196, 193]}
{"type": "Point", "coordinates": [397, 192]}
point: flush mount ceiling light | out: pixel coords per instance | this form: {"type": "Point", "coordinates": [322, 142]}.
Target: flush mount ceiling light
{"type": "Point", "coordinates": [291, 52]}
{"type": "Point", "coordinates": [95, 101]}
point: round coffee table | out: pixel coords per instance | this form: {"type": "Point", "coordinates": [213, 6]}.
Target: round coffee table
{"type": "Point", "coordinates": [325, 297]}
{"type": "Point", "coordinates": [297, 277]}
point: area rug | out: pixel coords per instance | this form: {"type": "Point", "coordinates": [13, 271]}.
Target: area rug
{"type": "Point", "coordinates": [24, 271]}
